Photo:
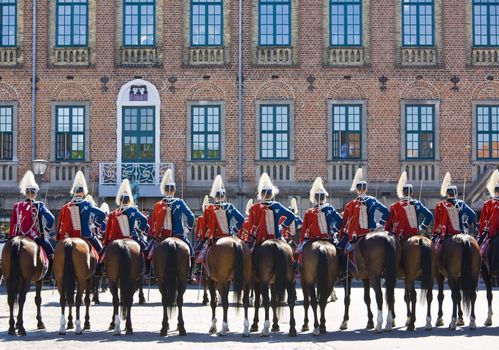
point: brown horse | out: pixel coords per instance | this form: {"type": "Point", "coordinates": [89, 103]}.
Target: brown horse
{"type": "Point", "coordinates": [124, 264]}
{"type": "Point", "coordinates": [320, 267]}
{"type": "Point", "coordinates": [489, 271]}
{"type": "Point", "coordinates": [377, 255]}
{"type": "Point", "coordinates": [171, 266]}
{"type": "Point", "coordinates": [418, 260]}
{"type": "Point", "coordinates": [273, 268]}
{"type": "Point", "coordinates": [74, 264]}
{"type": "Point", "coordinates": [228, 260]}
{"type": "Point", "coordinates": [22, 264]}
{"type": "Point", "coordinates": [459, 261]}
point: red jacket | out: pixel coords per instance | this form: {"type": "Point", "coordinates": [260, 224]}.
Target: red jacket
{"type": "Point", "coordinates": [444, 221]}
{"type": "Point", "coordinates": [65, 225]}
{"type": "Point", "coordinates": [201, 228]}
{"type": "Point", "coordinates": [245, 231]}
{"type": "Point", "coordinates": [311, 228]}
{"type": "Point", "coordinates": [113, 230]}
{"type": "Point", "coordinates": [157, 219]}
{"type": "Point", "coordinates": [399, 223]}
{"type": "Point", "coordinates": [352, 220]}
{"type": "Point", "coordinates": [489, 219]}
{"type": "Point", "coordinates": [216, 222]}
{"type": "Point", "coordinates": [257, 223]}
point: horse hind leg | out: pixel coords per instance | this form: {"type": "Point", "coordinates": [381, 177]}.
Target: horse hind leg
{"type": "Point", "coordinates": [275, 319]}
{"type": "Point", "coordinates": [223, 290]}
{"type": "Point", "coordinates": [21, 300]}
{"type": "Point", "coordinates": [266, 305]}
{"type": "Point", "coordinates": [487, 278]}
{"type": "Point", "coordinates": [460, 319]}
{"type": "Point", "coordinates": [456, 299]}
{"type": "Point", "coordinates": [246, 304]}
{"type": "Point", "coordinates": [367, 300]}
{"type": "Point", "coordinates": [256, 304]}
{"type": "Point", "coordinates": [376, 284]}
{"type": "Point", "coordinates": [306, 304]}
{"type": "Point", "coordinates": [180, 303]}
{"type": "Point", "coordinates": [213, 304]}
{"type": "Point", "coordinates": [79, 296]}
{"type": "Point", "coordinates": [472, 314]}
{"type": "Point", "coordinates": [128, 324]}
{"type": "Point", "coordinates": [38, 302]}
{"type": "Point", "coordinates": [313, 303]}
{"type": "Point", "coordinates": [291, 289]}
{"type": "Point", "coordinates": [164, 301]}
{"type": "Point", "coordinates": [346, 301]}
{"type": "Point", "coordinates": [429, 299]}
{"type": "Point", "coordinates": [440, 297]}
{"type": "Point", "coordinates": [88, 286]}
{"type": "Point", "coordinates": [11, 299]}
{"type": "Point", "coordinates": [115, 324]}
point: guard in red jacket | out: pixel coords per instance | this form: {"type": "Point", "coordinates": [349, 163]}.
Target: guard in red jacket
{"type": "Point", "coordinates": [244, 232]}
{"type": "Point", "coordinates": [288, 232]}
{"type": "Point", "coordinates": [489, 218]}
{"type": "Point", "coordinates": [404, 214]}
{"type": "Point", "coordinates": [452, 216]}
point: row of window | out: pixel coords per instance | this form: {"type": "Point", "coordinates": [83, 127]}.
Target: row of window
{"type": "Point", "coordinates": [274, 22]}
{"type": "Point", "coordinates": [347, 132]}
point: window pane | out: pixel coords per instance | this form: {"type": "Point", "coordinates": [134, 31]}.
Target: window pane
{"type": "Point", "coordinates": [71, 23]}
{"type": "Point", "coordinates": [487, 132]}
{"type": "Point", "coordinates": [6, 132]}
{"type": "Point", "coordinates": [138, 134]}
{"type": "Point", "coordinates": [8, 23]}
{"type": "Point", "coordinates": [345, 22]}
{"type": "Point", "coordinates": [274, 131]}
{"type": "Point", "coordinates": [419, 131]}
{"type": "Point", "coordinates": [417, 22]}
{"type": "Point", "coordinates": [347, 143]}
{"type": "Point", "coordinates": [139, 23]}
{"type": "Point", "coordinates": [205, 133]}
{"type": "Point", "coordinates": [274, 22]}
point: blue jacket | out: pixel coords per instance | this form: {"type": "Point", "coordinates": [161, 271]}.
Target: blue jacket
{"type": "Point", "coordinates": [374, 205]}
{"type": "Point", "coordinates": [135, 216]}
{"type": "Point", "coordinates": [333, 218]}
{"type": "Point", "coordinates": [423, 211]}
{"type": "Point", "coordinates": [87, 210]}
{"type": "Point", "coordinates": [232, 213]}
{"type": "Point", "coordinates": [179, 208]}
{"type": "Point", "coordinates": [279, 211]}
{"type": "Point", "coordinates": [466, 214]}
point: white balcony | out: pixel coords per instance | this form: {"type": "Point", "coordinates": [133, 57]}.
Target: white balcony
{"type": "Point", "coordinates": [147, 175]}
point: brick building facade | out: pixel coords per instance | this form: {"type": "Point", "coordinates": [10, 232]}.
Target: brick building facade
{"type": "Point", "coordinates": [329, 86]}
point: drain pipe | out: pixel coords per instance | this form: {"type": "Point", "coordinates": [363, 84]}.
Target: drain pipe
{"type": "Point", "coordinates": [240, 107]}
{"type": "Point", "coordinates": [33, 84]}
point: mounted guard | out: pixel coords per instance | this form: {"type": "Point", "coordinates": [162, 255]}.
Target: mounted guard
{"type": "Point", "coordinates": [290, 232]}
{"type": "Point", "coordinates": [168, 214]}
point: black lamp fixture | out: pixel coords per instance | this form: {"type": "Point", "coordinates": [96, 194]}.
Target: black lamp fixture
{"type": "Point", "coordinates": [311, 81]}
{"type": "Point", "coordinates": [104, 80]}
{"type": "Point", "coordinates": [455, 80]}
{"type": "Point", "coordinates": [172, 80]}
{"type": "Point", "coordinates": [383, 80]}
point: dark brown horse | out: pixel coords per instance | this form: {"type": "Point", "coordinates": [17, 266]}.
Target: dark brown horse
{"type": "Point", "coordinates": [171, 266]}
{"type": "Point", "coordinates": [418, 261]}
{"type": "Point", "coordinates": [73, 266]}
{"type": "Point", "coordinates": [320, 266]}
{"type": "Point", "coordinates": [459, 261]}
{"type": "Point", "coordinates": [21, 265]}
{"type": "Point", "coordinates": [377, 255]}
{"type": "Point", "coordinates": [490, 271]}
{"type": "Point", "coordinates": [273, 269]}
{"type": "Point", "coordinates": [228, 260]}
{"type": "Point", "coordinates": [124, 264]}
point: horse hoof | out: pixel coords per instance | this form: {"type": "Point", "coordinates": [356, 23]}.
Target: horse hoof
{"type": "Point", "coordinates": [111, 327]}
{"type": "Point", "coordinates": [142, 301]}
{"type": "Point", "coordinates": [70, 326]}
{"type": "Point", "coordinates": [322, 329]}
{"type": "Point", "coordinates": [163, 332]}
{"type": "Point", "coordinates": [21, 332]}
{"type": "Point", "coordinates": [460, 322]}
{"type": "Point", "coordinates": [254, 327]}
{"type": "Point", "coordinates": [86, 326]}
{"type": "Point", "coordinates": [182, 332]}
{"type": "Point", "coordinates": [305, 328]}
{"type": "Point", "coordinates": [439, 323]}
{"type": "Point", "coordinates": [472, 325]}
{"type": "Point", "coordinates": [62, 333]}
{"type": "Point", "coordinates": [40, 325]}
{"type": "Point", "coordinates": [316, 331]}
{"type": "Point", "coordinates": [213, 330]}
{"type": "Point", "coordinates": [12, 331]}
{"type": "Point", "coordinates": [344, 325]}
{"type": "Point", "coordinates": [292, 332]}
{"type": "Point", "coordinates": [488, 323]}
{"type": "Point", "coordinates": [79, 333]}
{"type": "Point", "coordinates": [129, 332]}
{"type": "Point", "coordinates": [275, 328]}
{"type": "Point", "coordinates": [246, 335]}
{"type": "Point", "coordinates": [452, 325]}
{"type": "Point", "coordinates": [370, 325]}
{"type": "Point", "coordinates": [410, 327]}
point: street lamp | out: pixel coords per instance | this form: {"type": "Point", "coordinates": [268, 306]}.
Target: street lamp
{"type": "Point", "coordinates": [39, 168]}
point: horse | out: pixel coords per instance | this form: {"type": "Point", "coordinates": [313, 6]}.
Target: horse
{"type": "Point", "coordinates": [171, 261]}
{"type": "Point", "coordinates": [124, 265]}
{"type": "Point", "coordinates": [320, 266]}
{"type": "Point", "coordinates": [273, 268]}
{"type": "Point", "coordinates": [22, 264]}
{"type": "Point", "coordinates": [377, 255]}
{"type": "Point", "coordinates": [74, 263]}
{"type": "Point", "coordinates": [418, 260]}
{"type": "Point", "coordinates": [228, 260]}
{"type": "Point", "coordinates": [459, 261]}
{"type": "Point", "coordinates": [490, 270]}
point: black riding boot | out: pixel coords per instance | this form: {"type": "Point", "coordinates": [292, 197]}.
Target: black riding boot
{"type": "Point", "coordinates": [192, 278]}
{"type": "Point", "coordinates": [48, 275]}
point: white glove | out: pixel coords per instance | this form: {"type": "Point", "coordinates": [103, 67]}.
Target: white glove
{"type": "Point", "coordinates": [186, 231]}
{"type": "Point", "coordinates": [380, 226]}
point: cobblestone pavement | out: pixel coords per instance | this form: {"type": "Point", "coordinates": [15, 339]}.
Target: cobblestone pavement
{"type": "Point", "coordinates": [147, 323]}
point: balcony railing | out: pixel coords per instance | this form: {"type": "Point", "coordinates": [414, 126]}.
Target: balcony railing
{"type": "Point", "coordinates": [143, 173]}
{"type": "Point", "coordinates": [8, 173]}
{"type": "Point", "coordinates": [139, 56]}
{"type": "Point", "coordinates": [343, 172]}
{"type": "Point", "coordinates": [78, 56]}
{"type": "Point", "coordinates": [64, 173]}
{"type": "Point", "coordinates": [274, 55]}
{"type": "Point", "coordinates": [204, 173]}
{"type": "Point", "coordinates": [279, 171]}
{"type": "Point", "coordinates": [419, 56]}
{"type": "Point", "coordinates": [207, 55]}
{"type": "Point", "coordinates": [8, 56]}
{"type": "Point", "coordinates": [421, 171]}
{"type": "Point", "coordinates": [485, 56]}
{"type": "Point", "coordinates": [345, 56]}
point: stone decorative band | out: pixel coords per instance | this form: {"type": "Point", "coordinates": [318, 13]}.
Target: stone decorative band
{"type": "Point", "coordinates": [274, 55]}
{"type": "Point", "coordinates": [139, 56]}
{"type": "Point", "coordinates": [206, 55]}
{"type": "Point", "coordinates": [71, 56]}
{"type": "Point", "coordinates": [346, 56]}
{"type": "Point", "coordinates": [8, 56]}
{"type": "Point", "coordinates": [419, 56]}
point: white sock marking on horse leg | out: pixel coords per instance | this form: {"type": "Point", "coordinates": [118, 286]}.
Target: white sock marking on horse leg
{"type": "Point", "coordinates": [78, 329]}
{"type": "Point", "coordinates": [317, 331]}
{"type": "Point", "coordinates": [62, 325]}
{"type": "Point", "coordinates": [472, 323]}
{"type": "Point", "coordinates": [389, 321]}
{"type": "Point", "coordinates": [379, 322]}
{"type": "Point", "coordinates": [266, 328]}
{"type": "Point", "coordinates": [428, 323]}
{"type": "Point", "coordinates": [453, 323]}
{"type": "Point", "coordinates": [117, 325]}
{"type": "Point", "coordinates": [246, 332]}
{"type": "Point", "coordinates": [488, 321]}
{"type": "Point", "coordinates": [213, 328]}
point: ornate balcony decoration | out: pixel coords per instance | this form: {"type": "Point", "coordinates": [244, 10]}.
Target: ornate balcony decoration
{"type": "Point", "coordinates": [421, 171]}
{"type": "Point", "coordinates": [419, 56]}
{"type": "Point", "coordinates": [485, 56]}
{"type": "Point", "coordinates": [346, 56]}
{"type": "Point", "coordinates": [204, 55]}
{"type": "Point", "coordinates": [274, 55]}
{"type": "Point", "coordinates": [143, 173]}
{"type": "Point", "coordinates": [139, 56]}
{"type": "Point", "coordinates": [8, 173]}
{"type": "Point", "coordinates": [279, 171]}
{"type": "Point", "coordinates": [75, 56]}
{"type": "Point", "coordinates": [204, 172]}
{"type": "Point", "coordinates": [343, 172]}
{"type": "Point", "coordinates": [8, 56]}
{"type": "Point", "coordinates": [64, 173]}
{"type": "Point", "coordinates": [479, 168]}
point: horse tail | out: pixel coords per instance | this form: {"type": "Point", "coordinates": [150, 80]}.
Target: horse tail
{"type": "Point", "coordinates": [69, 278]}
{"type": "Point", "coordinates": [426, 268]}
{"type": "Point", "coordinates": [322, 273]}
{"type": "Point", "coordinates": [172, 275]}
{"type": "Point", "coordinates": [494, 261]}
{"type": "Point", "coordinates": [15, 276]}
{"type": "Point", "coordinates": [125, 283]}
{"type": "Point", "coordinates": [281, 272]}
{"type": "Point", "coordinates": [390, 269]}
{"type": "Point", "coordinates": [468, 285]}
{"type": "Point", "coordinates": [238, 272]}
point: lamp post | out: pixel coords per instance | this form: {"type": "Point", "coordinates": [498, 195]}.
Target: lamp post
{"type": "Point", "coordinates": [39, 169]}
